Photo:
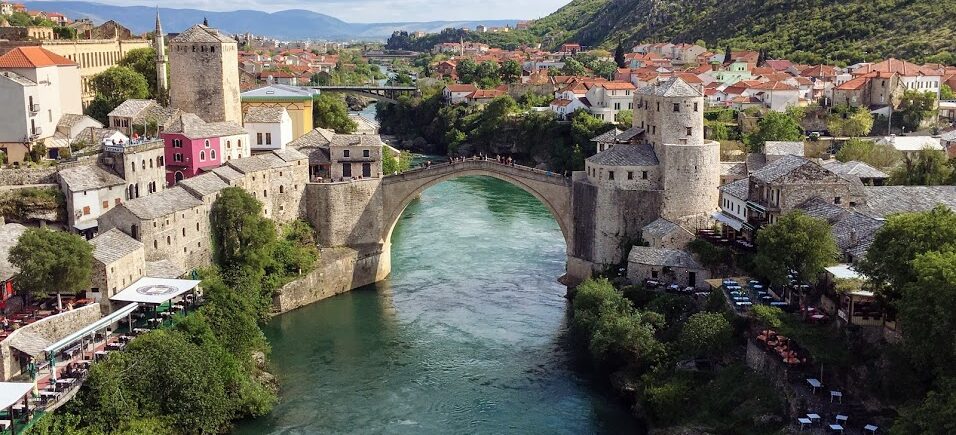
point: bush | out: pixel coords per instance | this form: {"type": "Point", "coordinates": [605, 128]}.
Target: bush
{"type": "Point", "coordinates": [767, 315]}
{"type": "Point", "coordinates": [706, 335]}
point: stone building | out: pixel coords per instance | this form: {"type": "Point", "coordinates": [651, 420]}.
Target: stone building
{"type": "Point", "coordinates": [193, 145]}
{"type": "Point", "coordinates": [142, 165]}
{"type": "Point", "coordinates": [204, 74]}
{"type": "Point", "coordinates": [118, 261]}
{"type": "Point", "coordinates": [659, 172]}
{"type": "Point", "coordinates": [666, 266]}
{"type": "Point", "coordinates": [315, 144]}
{"type": "Point", "coordinates": [90, 191]}
{"type": "Point", "coordinates": [355, 156]}
{"type": "Point", "coordinates": [145, 116]}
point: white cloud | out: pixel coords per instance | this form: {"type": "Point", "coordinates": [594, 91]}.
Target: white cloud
{"type": "Point", "coordinates": [372, 11]}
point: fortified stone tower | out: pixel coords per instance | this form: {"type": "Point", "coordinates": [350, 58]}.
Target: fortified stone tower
{"type": "Point", "coordinates": [204, 74]}
{"type": "Point", "coordinates": [671, 114]}
{"type": "Point", "coordinates": [159, 41]}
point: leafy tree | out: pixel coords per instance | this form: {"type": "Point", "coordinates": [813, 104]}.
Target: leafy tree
{"type": "Point", "coordinates": [467, 71]}
{"type": "Point", "coordinates": [774, 126]}
{"type": "Point", "coordinates": [51, 262]}
{"type": "Point", "coordinates": [861, 150]}
{"type": "Point", "coordinates": [624, 118]}
{"type": "Point", "coordinates": [928, 309]}
{"type": "Point", "coordinates": [927, 168]}
{"type": "Point", "coordinates": [853, 123]}
{"type": "Point", "coordinates": [915, 106]}
{"type": "Point", "coordinates": [605, 69]}
{"type": "Point", "coordinates": [572, 67]}
{"type": "Point", "coordinates": [946, 92]}
{"type": "Point", "coordinates": [706, 335]}
{"type": "Point", "coordinates": [143, 61]}
{"type": "Point", "coordinates": [935, 414]}
{"type": "Point", "coordinates": [114, 86]}
{"type": "Point", "coordinates": [532, 99]}
{"type": "Point", "coordinates": [20, 19]}
{"type": "Point", "coordinates": [511, 71]}
{"type": "Point", "coordinates": [240, 234]}
{"type": "Point", "coordinates": [615, 331]}
{"type": "Point", "coordinates": [329, 111]}
{"type": "Point", "coordinates": [396, 163]}
{"type": "Point", "coordinates": [619, 58]}
{"type": "Point", "coordinates": [888, 262]}
{"type": "Point", "coordinates": [488, 74]}
{"type": "Point", "coordinates": [795, 242]}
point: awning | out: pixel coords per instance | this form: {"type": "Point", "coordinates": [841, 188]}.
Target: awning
{"type": "Point", "coordinates": [85, 225]}
{"type": "Point", "coordinates": [155, 290]}
{"type": "Point", "coordinates": [727, 220]}
{"type": "Point", "coordinates": [844, 271]}
{"type": "Point", "coordinates": [13, 392]}
{"type": "Point", "coordinates": [103, 322]}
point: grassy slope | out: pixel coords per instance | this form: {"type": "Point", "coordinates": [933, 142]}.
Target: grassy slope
{"type": "Point", "coordinates": [805, 30]}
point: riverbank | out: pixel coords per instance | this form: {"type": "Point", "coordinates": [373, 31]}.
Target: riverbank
{"type": "Point", "coordinates": [337, 270]}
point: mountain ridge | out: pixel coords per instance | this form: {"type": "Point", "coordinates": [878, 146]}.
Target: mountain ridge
{"type": "Point", "coordinates": [287, 24]}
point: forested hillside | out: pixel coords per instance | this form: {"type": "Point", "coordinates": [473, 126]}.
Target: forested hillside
{"type": "Point", "coordinates": [806, 30]}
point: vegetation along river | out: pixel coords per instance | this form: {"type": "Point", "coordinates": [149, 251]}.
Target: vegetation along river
{"type": "Point", "coordinates": [467, 335]}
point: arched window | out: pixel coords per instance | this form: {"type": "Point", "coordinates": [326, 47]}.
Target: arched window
{"type": "Point", "coordinates": [228, 144]}
{"type": "Point", "coordinates": [184, 231]}
{"type": "Point", "coordinates": [144, 164]}
{"type": "Point", "coordinates": [212, 154]}
{"type": "Point", "coordinates": [281, 189]}
{"type": "Point", "coordinates": [150, 163]}
{"type": "Point", "coordinates": [178, 176]}
{"type": "Point", "coordinates": [155, 244]}
{"type": "Point", "coordinates": [132, 166]}
{"type": "Point", "coordinates": [169, 240]}
{"type": "Point", "coordinates": [202, 156]}
{"type": "Point", "coordinates": [207, 143]}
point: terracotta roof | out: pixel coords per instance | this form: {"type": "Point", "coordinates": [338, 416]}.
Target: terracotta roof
{"type": "Point", "coordinates": [854, 84]}
{"type": "Point", "coordinates": [617, 86]}
{"type": "Point", "coordinates": [486, 93]}
{"type": "Point", "coordinates": [33, 57]}
{"type": "Point", "coordinates": [898, 66]}
{"type": "Point", "coordinates": [560, 102]}
{"type": "Point", "coordinates": [819, 71]}
{"type": "Point", "coordinates": [461, 88]}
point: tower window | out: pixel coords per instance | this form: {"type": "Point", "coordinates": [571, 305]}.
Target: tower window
{"type": "Point", "coordinates": [643, 175]}
{"type": "Point", "coordinates": [658, 106]}
{"type": "Point", "coordinates": [630, 175]}
{"type": "Point", "coordinates": [610, 175]}
{"type": "Point", "coordinates": [690, 131]}
{"type": "Point", "coordinates": [695, 107]}
{"type": "Point", "coordinates": [677, 107]}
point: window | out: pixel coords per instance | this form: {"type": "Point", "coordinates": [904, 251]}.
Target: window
{"type": "Point", "coordinates": [345, 153]}
{"type": "Point", "coordinates": [159, 161]}
{"type": "Point", "coordinates": [212, 154]}
{"type": "Point", "coordinates": [144, 164]}
{"type": "Point", "coordinates": [281, 189]}
{"type": "Point", "coordinates": [677, 107]}
{"type": "Point", "coordinates": [155, 244]}
{"type": "Point", "coordinates": [207, 143]}
{"type": "Point", "coordinates": [695, 107]}
{"type": "Point", "coordinates": [837, 200]}
{"type": "Point", "coordinates": [617, 106]}
{"type": "Point", "coordinates": [202, 156]}
{"type": "Point", "coordinates": [169, 240]}
{"type": "Point", "coordinates": [690, 131]}
{"type": "Point", "coordinates": [132, 166]}
{"type": "Point", "coordinates": [258, 138]}
{"type": "Point", "coordinates": [610, 175]}
{"type": "Point", "coordinates": [265, 193]}
{"type": "Point", "coordinates": [86, 210]}
{"type": "Point", "coordinates": [197, 226]}
{"type": "Point", "coordinates": [654, 274]}
{"type": "Point", "coordinates": [117, 201]}
{"type": "Point", "coordinates": [178, 157]}
{"type": "Point", "coordinates": [653, 129]}
{"type": "Point", "coordinates": [366, 153]}
{"type": "Point", "coordinates": [643, 175]}
{"type": "Point", "coordinates": [268, 138]}
{"type": "Point", "coordinates": [630, 175]}
{"type": "Point", "coordinates": [658, 106]}
{"type": "Point", "coordinates": [106, 205]}
{"type": "Point", "coordinates": [184, 231]}
{"type": "Point", "coordinates": [366, 170]}
{"type": "Point", "coordinates": [150, 163]}
{"type": "Point", "coordinates": [228, 144]}
{"type": "Point", "coordinates": [346, 169]}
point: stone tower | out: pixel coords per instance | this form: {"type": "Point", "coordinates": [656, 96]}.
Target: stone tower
{"type": "Point", "coordinates": [204, 74]}
{"type": "Point", "coordinates": [159, 41]}
{"type": "Point", "coordinates": [671, 114]}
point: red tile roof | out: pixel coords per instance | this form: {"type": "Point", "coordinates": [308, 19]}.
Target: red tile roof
{"type": "Point", "coordinates": [462, 88]}
{"type": "Point", "coordinates": [617, 86]}
{"type": "Point", "coordinates": [854, 84]}
{"type": "Point", "coordinates": [898, 66]}
{"type": "Point", "coordinates": [32, 57]}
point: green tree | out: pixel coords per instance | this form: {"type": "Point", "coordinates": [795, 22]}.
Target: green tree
{"type": "Point", "coordinates": [329, 111]}
{"type": "Point", "coordinates": [774, 126]}
{"type": "Point", "coordinates": [928, 309]}
{"type": "Point", "coordinates": [51, 262]}
{"type": "Point", "coordinates": [934, 415]}
{"type": "Point", "coordinates": [572, 67]}
{"type": "Point", "coordinates": [20, 19]}
{"type": "Point", "coordinates": [861, 150]}
{"type": "Point", "coordinates": [112, 87]}
{"type": "Point", "coordinates": [143, 61]}
{"type": "Point", "coordinates": [889, 261]}
{"type": "Point", "coordinates": [795, 242]}
{"type": "Point", "coordinates": [853, 123]}
{"type": "Point", "coordinates": [615, 331]}
{"type": "Point", "coordinates": [605, 69]}
{"type": "Point", "coordinates": [511, 71]}
{"type": "Point", "coordinates": [396, 164]}
{"type": "Point", "coordinates": [946, 92]}
{"type": "Point", "coordinates": [488, 74]}
{"type": "Point", "coordinates": [915, 106]}
{"type": "Point", "coordinates": [619, 58]}
{"type": "Point", "coordinates": [624, 118]}
{"type": "Point", "coordinates": [706, 335]}
{"type": "Point", "coordinates": [241, 235]}
{"type": "Point", "coordinates": [927, 168]}
{"type": "Point", "coordinates": [467, 71]}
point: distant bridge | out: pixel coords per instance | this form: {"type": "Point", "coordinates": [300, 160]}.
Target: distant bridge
{"type": "Point", "coordinates": [387, 55]}
{"type": "Point", "coordinates": [382, 93]}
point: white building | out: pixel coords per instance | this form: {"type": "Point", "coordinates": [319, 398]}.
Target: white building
{"type": "Point", "coordinates": [269, 128]}
{"type": "Point", "coordinates": [36, 87]}
{"type": "Point", "coordinates": [90, 191]}
{"type": "Point", "coordinates": [910, 146]}
{"type": "Point", "coordinates": [608, 98]}
{"type": "Point", "coordinates": [455, 94]}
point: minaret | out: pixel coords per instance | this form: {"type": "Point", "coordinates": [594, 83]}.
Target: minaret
{"type": "Point", "coordinates": [162, 83]}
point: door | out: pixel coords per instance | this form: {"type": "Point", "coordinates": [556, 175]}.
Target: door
{"type": "Point", "coordinates": [347, 170]}
{"type": "Point", "coordinates": [366, 170]}
{"type": "Point", "coordinates": [692, 279]}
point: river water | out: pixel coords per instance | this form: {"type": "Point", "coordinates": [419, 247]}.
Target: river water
{"type": "Point", "coordinates": [468, 335]}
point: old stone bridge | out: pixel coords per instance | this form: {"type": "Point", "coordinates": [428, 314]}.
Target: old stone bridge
{"type": "Point", "coordinates": [553, 190]}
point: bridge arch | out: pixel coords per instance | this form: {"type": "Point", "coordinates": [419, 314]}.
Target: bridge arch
{"type": "Point", "coordinates": [552, 190]}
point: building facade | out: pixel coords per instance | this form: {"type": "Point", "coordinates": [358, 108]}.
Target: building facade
{"type": "Point", "coordinates": [204, 74]}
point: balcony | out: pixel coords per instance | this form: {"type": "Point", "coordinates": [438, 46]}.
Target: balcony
{"type": "Point", "coordinates": [34, 108]}
{"type": "Point", "coordinates": [36, 132]}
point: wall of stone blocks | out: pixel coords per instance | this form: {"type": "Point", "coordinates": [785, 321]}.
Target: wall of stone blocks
{"type": "Point", "coordinates": [346, 214]}
{"type": "Point", "coordinates": [52, 328]}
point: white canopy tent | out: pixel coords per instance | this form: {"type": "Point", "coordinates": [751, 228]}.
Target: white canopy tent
{"type": "Point", "coordinates": [155, 290]}
{"type": "Point", "coordinates": [13, 392]}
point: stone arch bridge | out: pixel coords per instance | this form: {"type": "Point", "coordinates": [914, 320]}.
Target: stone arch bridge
{"type": "Point", "coordinates": [553, 190]}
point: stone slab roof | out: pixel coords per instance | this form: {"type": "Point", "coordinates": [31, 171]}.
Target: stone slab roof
{"type": "Point", "coordinates": [629, 134]}
{"type": "Point", "coordinates": [113, 245]}
{"type": "Point", "coordinates": [885, 200]}
{"type": "Point", "coordinates": [315, 138]}
{"type": "Point", "coordinates": [9, 236]}
{"type": "Point", "coordinates": [738, 189]}
{"type": "Point", "coordinates": [193, 127]}
{"type": "Point", "coordinates": [164, 269]}
{"type": "Point", "coordinates": [660, 227]}
{"type": "Point", "coordinates": [274, 161]}
{"type": "Point", "coordinates": [28, 342]}
{"type": "Point", "coordinates": [227, 173]}
{"type": "Point", "coordinates": [356, 140]}
{"type": "Point", "coordinates": [853, 231]}
{"type": "Point", "coordinates": [733, 168]}
{"type": "Point", "coordinates": [854, 168]}
{"type": "Point", "coordinates": [132, 108]}
{"type": "Point", "coordinates": [162, 203]}
{"type": "Point", "coordinates": [779, 168]}
{"type": "Point", "coordinates": [264, 115]}
{"type": "Point", "coordinates": [290, 155]}
{"type": "Point", "coordinates": [626, 155]}
{"type": "Point", "coordinates": [607, 136]}
{"type": "Point", "coordinates": [672, 87]}
{"type": "Point", "coordinates": [204, 184]}
{"type": "Point", "coordinates": [250, 164]}
{"type": "Point", "coordinates": [201, 33]}
{"type": "Point", "coordinates": [69, 120]}
{"type": "Point", "coordinates": [662, 257]}
{"type": "Point", "coordinates": [780, 148]}
{"type": "Point", "coordinates": [90, 177]}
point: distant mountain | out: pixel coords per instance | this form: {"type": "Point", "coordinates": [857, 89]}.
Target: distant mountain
{"type": "Point", "coordinates": [289, 24]}
{"type": "Point", "coordinates": [804, 30]}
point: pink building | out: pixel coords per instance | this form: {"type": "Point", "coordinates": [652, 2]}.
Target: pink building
{"type": "Point", "coordinates": [194, 146]}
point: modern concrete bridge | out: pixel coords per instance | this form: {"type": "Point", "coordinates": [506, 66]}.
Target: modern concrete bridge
{"type": "Point", "coordinates": [384, 93]}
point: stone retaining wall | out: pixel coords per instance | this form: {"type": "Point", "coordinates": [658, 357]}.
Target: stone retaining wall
{"type": "Point", "coordinates": [338, 271]}
{"type": "Point", "coordinates": [23, 176]}
{"type": "Point", "coordinates": [52, 328]}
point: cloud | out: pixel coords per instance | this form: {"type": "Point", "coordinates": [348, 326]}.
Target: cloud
{"type": "Point", "coordinates": [373, 11]}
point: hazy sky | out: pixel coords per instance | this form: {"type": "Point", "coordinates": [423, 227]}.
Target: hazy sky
{"type": "Point", "coordinates": [358, 11]}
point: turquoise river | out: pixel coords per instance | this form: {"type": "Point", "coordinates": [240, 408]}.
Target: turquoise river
{"type": "Point", "coordinates": [468, 335]}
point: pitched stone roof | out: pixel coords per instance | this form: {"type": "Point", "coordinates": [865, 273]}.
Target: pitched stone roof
{"type": "Point", "coordinates": [733, 168]}
{"type": "Point", "coordinates": [113, 245]}
{"type": "Point", "coordinates": [626, 155]}
{"type": "Point", "coordinates": [780, 148]}
{"type": "Point", "coordinates": [629, 134]}
{"type": "Point", "coordinates": [164, 269]}
{"type": "Point", "coordinates": [738, 189]}
{"type": "Point", "coordinates": [28, 342]}
{"type": "Point", "coordinates": [204, 184]}
{"type": "Point", "coordinates": [290, 155]}
{"type": "Point", "coordinates": [9, 236]}
{"type": "Point", "coordinates": [854, 168]}
{"type": "Point", "coordinates": [662, 257]}
{"type": "Point", "coordinates": [672, 87]}
{"type": "Point", "coordinates": [69, 120]}
{"type": "Point", "coordinates": [250, 164]}
{"type": "Point", "coordinates": [608, 136]}
{"type": "Point", "coordinates": [204, 34]}
{"type": "Point", "coordinates": [885, 200]}
{"type": "Point", "coordinates": [261, 114]}
{"type": "Point", "coordinates": [316, 137]}
{"type": "Point", "coordinates": [363, 140]}
{"type": "Point", "coordinates": [660, 227]}
{"type": "Point", "coordinates": [853, 231]}
{"type": "Point", "coordinates": [91, 177]}
{"type": "Point", "coordinates": [779, 168]}
{"type": "Point", "coordinates": [131, 108]}
{"type": "Point", "coordinates": [193, 127]}
{"type": "Point", "coordinates": [162, 203]}
{"type": "Point", "coordinates": [274, 161]}
{"type": "Point", "coordinates": [227, 173]}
